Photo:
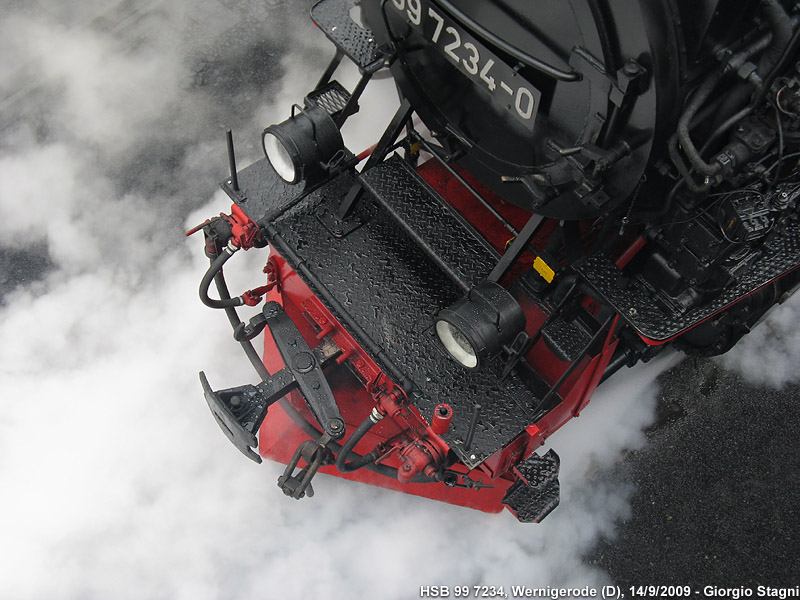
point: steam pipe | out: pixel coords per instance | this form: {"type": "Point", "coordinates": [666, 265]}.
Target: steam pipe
{"type": "Point", "coordinates": [781, 38]}
{"type": "Point", "coordinates": [699, 97]}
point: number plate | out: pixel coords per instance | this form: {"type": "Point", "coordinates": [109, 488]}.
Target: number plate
{"type": "Point", "coordinates": [501, 83]}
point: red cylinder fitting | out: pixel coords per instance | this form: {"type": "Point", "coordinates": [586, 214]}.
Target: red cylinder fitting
{"type": "Point", "coordinates": [419, 455]}
{"type": "Point", "coordinates": [442, 415]}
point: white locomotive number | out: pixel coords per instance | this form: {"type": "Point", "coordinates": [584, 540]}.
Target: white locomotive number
{"type": "Point", "coordinates": [472, 58]}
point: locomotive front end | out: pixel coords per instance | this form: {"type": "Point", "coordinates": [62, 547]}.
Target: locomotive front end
{"type": "Point", "coordinates": [438, 305]}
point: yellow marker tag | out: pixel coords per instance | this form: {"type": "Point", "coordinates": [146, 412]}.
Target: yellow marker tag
{"type": "Point", "coordinates": [543, 269]}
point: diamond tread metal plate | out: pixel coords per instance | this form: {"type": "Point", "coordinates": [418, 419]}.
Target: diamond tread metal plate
{"type": "Point", "coordinates": [264, 196]}
{"type": "Point", "coordinates": [537, 492]}
{"type": "Point", "coordinates": [441, 232]}
{"type": "Point", "coordinates": [358, 43]}
{"type": "Point", "coordinates": [634, 304]}
{"type": "Point", "coordinates": [567, 339]}
{"type": "Point", "coordinates": [392, 289]}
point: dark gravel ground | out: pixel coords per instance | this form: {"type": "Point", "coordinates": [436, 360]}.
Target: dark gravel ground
{"type": "Point", "coordinates": [716, 487]}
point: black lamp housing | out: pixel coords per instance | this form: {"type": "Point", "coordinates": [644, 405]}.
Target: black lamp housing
{"type": "Point", "coordinates": [478, 326]}
{"type": "Point", "coordinates": [302, 147]}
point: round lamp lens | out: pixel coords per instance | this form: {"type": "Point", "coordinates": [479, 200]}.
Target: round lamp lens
{"type": "Point", "coordinates": [457, 344]}
{"type": "Point", "coordinates": [279, 158]}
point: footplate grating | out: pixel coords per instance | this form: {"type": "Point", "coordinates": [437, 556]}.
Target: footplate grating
{"type": "Point", "coordinates": [435, 227]}
{"type": "Point", "coordinates": [566, 338]}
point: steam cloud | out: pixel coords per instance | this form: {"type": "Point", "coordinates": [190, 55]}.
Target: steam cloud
{"type": "Point", "coordinates": [114, 480]}
{"type": "Point", "coordinates": [770, 354]}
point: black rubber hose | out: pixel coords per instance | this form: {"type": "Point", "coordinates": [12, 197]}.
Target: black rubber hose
{"type": "Point", "coordinates": [788, 52]}
{"type": "Point", "coordinates": [692, 153]}
{"type": "Point", "coordinates": [781, 33]}
{"type": "Point", "coordinates": [213, 272]}
{"type": "Point", "coordinates": [741, 57]}
{"type": "Point", "coordinates": [672, 146]}
{"type": "Point", "coordinates": [294, 414]}
{"type": "Point", "coordinates": [360, 461]}
{"type": "Point", "coordinates": [685, 123]}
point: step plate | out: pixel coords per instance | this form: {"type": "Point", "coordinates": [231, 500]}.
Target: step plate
{"type": "Point", "coordinates": [332, 97]}
{"type": "Point", "coordinates": [438, 229]}
{"type": "Point", "coordinates": [537, 491]}
{"type": "Point", "coordinates": [358, 43]}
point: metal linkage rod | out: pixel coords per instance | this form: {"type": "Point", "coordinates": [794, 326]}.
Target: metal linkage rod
{"type": "Point", "coordinates": [332, 66]}
{"type": "Point", "coordinates": [435, 153]}
{"type": "Point", "coordinates": [554, 390]}
{"type": "Point", "coordinates": [396, 125]}
{"type": "Point", "coordinates": [232, 161]}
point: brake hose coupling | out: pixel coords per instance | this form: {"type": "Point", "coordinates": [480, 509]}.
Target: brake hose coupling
{"type": "Point", "coordinates": [376, 415]}
{"type": "Point", "coordinates": [232, 247]}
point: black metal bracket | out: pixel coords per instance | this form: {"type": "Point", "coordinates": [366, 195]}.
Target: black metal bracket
{"type": "Point", "coordinates": [329, 70]}
{"type": "Point", "coordinates": [400, 119]}
{"type": "Point", "coordinates": [516, 351]}
{"type": "Point", "coordinates": [244, 332]}
{"type": "Point", "coordinates": [306, 368]}
{"type": "Point", "coordinates": [462, 480]}
{"type": "Point", "coordinates": [316, 454]}
{"type": "Point", "coordinates": [517, 247]}
{"type": "Point", "coordinates": [239, 411]}
{"type": "Point", "coordinates": [335, 225]}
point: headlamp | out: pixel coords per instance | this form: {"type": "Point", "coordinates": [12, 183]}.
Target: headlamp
{"type": "Point", "coordinates": [479, 325]}
{"type": "Point", "coordinates": [301, 147]}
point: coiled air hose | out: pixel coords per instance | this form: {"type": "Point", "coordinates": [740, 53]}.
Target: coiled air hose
{"type": "Point", "coordinates": [213, 272]}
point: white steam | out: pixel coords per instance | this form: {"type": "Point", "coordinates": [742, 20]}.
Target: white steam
{"type": "Point", "coordinates": [115, 482]}
{"type": "Point", "coordinates": [770, 353]}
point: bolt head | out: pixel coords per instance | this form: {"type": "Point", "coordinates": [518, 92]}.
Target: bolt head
{"type": "Point", "coordinates": [631, 68]}
{"type": "Point", "coordinates": [303, 362]}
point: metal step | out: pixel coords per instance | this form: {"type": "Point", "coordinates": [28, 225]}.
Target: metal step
{"type": "Point", "coordinates": [567, 337]}
{"type": "Point", "coordinates": [332, 97]}
{"type": "Point", "coordinates": [434, 226]}
{"type": "Point", "coordinates": [537, 491]}
{"type": "Point", "coordinates": [357, 42]}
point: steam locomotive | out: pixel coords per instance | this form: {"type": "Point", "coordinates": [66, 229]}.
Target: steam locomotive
{"type": "Point", "coordinates": [567, 187]}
